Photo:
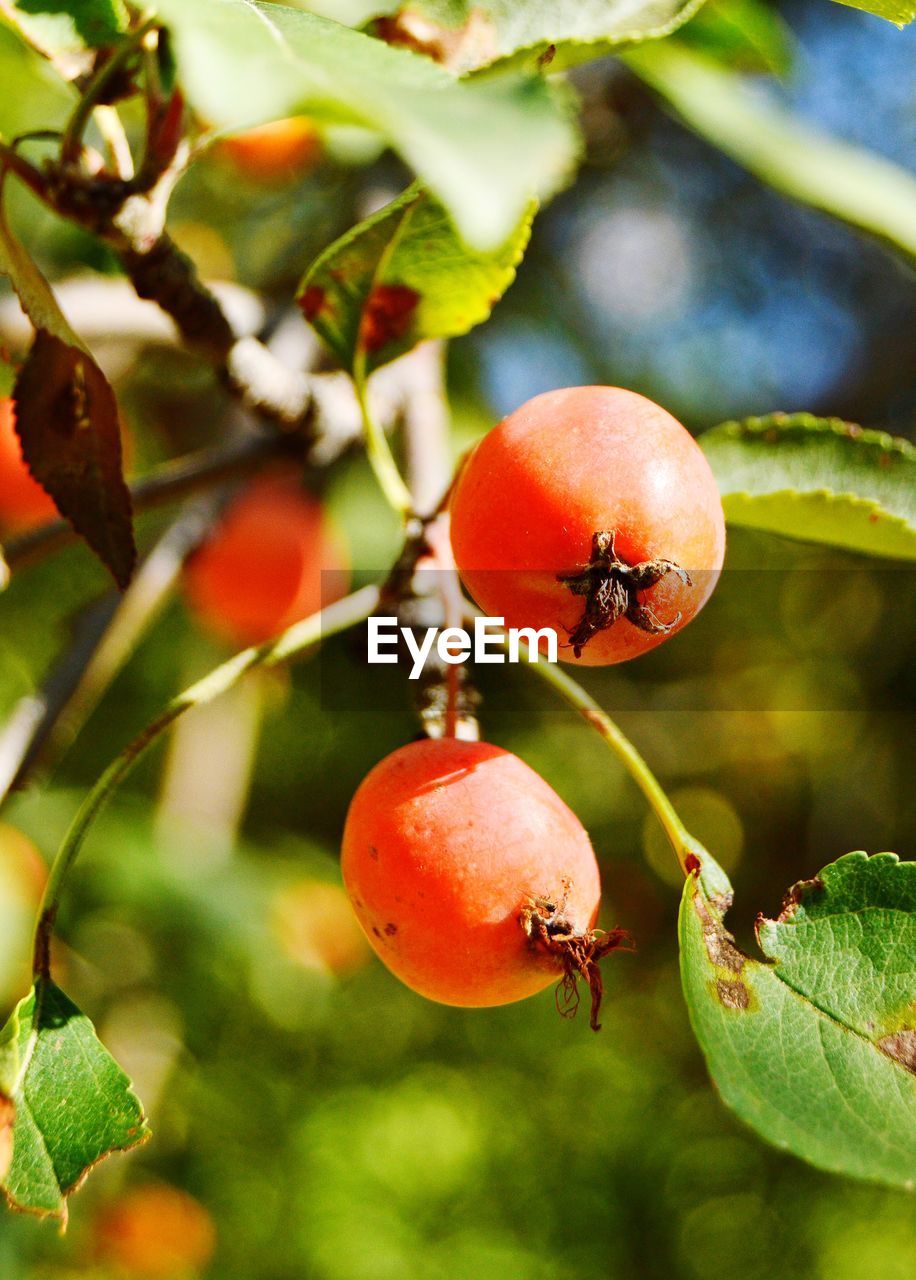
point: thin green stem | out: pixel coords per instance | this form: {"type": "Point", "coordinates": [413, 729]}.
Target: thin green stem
{"type": "Point", "coordinates": [381, 459]}
{"type": "Point", "coordinates": [683, 843]}
{"type": "Point", "coordinates": [685, 846]}
{"type": "Point", "coordinates": [297, 640]}
{"type": "Point", "coordinates": [72, 143]}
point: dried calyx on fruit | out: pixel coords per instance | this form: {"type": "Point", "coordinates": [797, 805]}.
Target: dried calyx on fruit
{"type": "Point", "coordinates": [579, 954]}
{"type": "Point", "coordinates": [612, 587]}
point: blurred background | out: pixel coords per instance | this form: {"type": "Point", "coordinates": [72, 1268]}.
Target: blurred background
{"type": "Point", "coordinates": [312, 1118]}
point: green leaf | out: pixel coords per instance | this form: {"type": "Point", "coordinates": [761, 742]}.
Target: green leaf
{"type": "Point", "coordinates": [505, 34]}
{"type": "Point", "coordinates": [859, 918]}
{"type": "Point", "coordinates": [65, 1103]}
{"type": "Point", "coordinates": [66, 31]}
{"type": "Point", "coordinates": [900, 12]}
{"type": "Point", "coordinates": [851, 184]}
{"type": "Point", "coordinates": [67, 420]}
{"type": "Point", "coordinates": [402, 276]}
{"type": "Point", "coordinates": [33, 95]}
{"type": "Point", "coordinates": [484, 149]}
{"type": "Point", "coordinates": [745, 34]}
{"type": "Point", "coordinates": [815, 1065]}
{"type": "Point", "coordinates": [817, 480]}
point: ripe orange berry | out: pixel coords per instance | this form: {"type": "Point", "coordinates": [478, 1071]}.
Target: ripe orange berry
{"type": "Point", "coordinates": [22, 880]}
{"type": "Point", "coordinates": [316, 928]}
{"type": "Point", "coordinates": [261, 569]}
{"type": "Point", "coordinates": [275, 152]}
{"type": "Point", "coordinates": [592, 511]}
{"type": "Point", "coordinates": [472, 879]}
{"type": "Point", "coordinates": [156, 1231]}
{"type": "Point", "coordinates": [23, 502]}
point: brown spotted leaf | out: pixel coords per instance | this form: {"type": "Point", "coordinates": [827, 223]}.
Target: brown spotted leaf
{"type": "Point", "coordinates": [813, 1045]}
{"type": "Point", "coordinates": [402, 276]}
{"type": "Point", "coordinates": [67, 420]}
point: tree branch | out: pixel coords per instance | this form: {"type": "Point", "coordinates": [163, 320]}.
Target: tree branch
{"type": "Point", "coordinates": [132, 223]}
{"type": "Point", "coordinates": [166, 276]}
{"type": "Point", "coordinates": [11, 161]}
{"type": "Point", "coordinates": [33, 716]}
{"type": "Point", "coordinates": [106, 634]}
{"type": "Point", "coordinates": [426, 430]}
{"type": "Point", "coordinates": [160, 272]}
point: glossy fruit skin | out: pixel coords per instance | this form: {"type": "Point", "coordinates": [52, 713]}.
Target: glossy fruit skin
{"type": "Point", "coordinates": [23, 502]}
{"type": "Point", "coordinates": [275, 152]}
{"type": "Point", "coordinates": [569, 464]}
{"type": "Point", "coordinates": [445, 843]}
{"type": "Point", "coordinates": [272, 560]}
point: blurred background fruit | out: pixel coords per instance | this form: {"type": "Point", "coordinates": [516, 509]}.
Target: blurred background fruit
{"type": "Point", "coordinates": [22, 880]}
{"type": "Point", "coordinates": [156, 1231]}
{"type": "Point", "coordinates": [272, 560]}
{"type": "Point", "coordinates": [274, 153]}
{"type": "Point", "coordinates": [316, 927]}
{"type": "Point", "coordinates": [23, 502]}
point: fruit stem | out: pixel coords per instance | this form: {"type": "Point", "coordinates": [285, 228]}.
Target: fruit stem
{"type": "Point", "coordinates": [381, 459]}
{"type": "Point", "coordinates": [72, 142]}
{"type": "Point", "coordinates": [297, 640]}
{"type": "Point", "coordinates": [686, 847]}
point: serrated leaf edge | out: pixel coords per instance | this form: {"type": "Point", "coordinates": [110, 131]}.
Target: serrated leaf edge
{"type": "Point", "coordinates": [405, 203]}
{"type": "Point", "coordinates": [866, 505]}
{"type": "Point", "coordinates": [743, 428]}
{"type": "Point", "coordinates": [859, 438]}
{"type": "Point", "coordinates": [597, 47]}
{"type": "Point", "coordinates": [144, 1133]}
{"type": "Point", "coordinates": [802, 889]}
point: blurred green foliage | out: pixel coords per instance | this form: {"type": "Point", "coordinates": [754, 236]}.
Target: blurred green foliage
{"type": "Point", "coordinates": [343, 1127]}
